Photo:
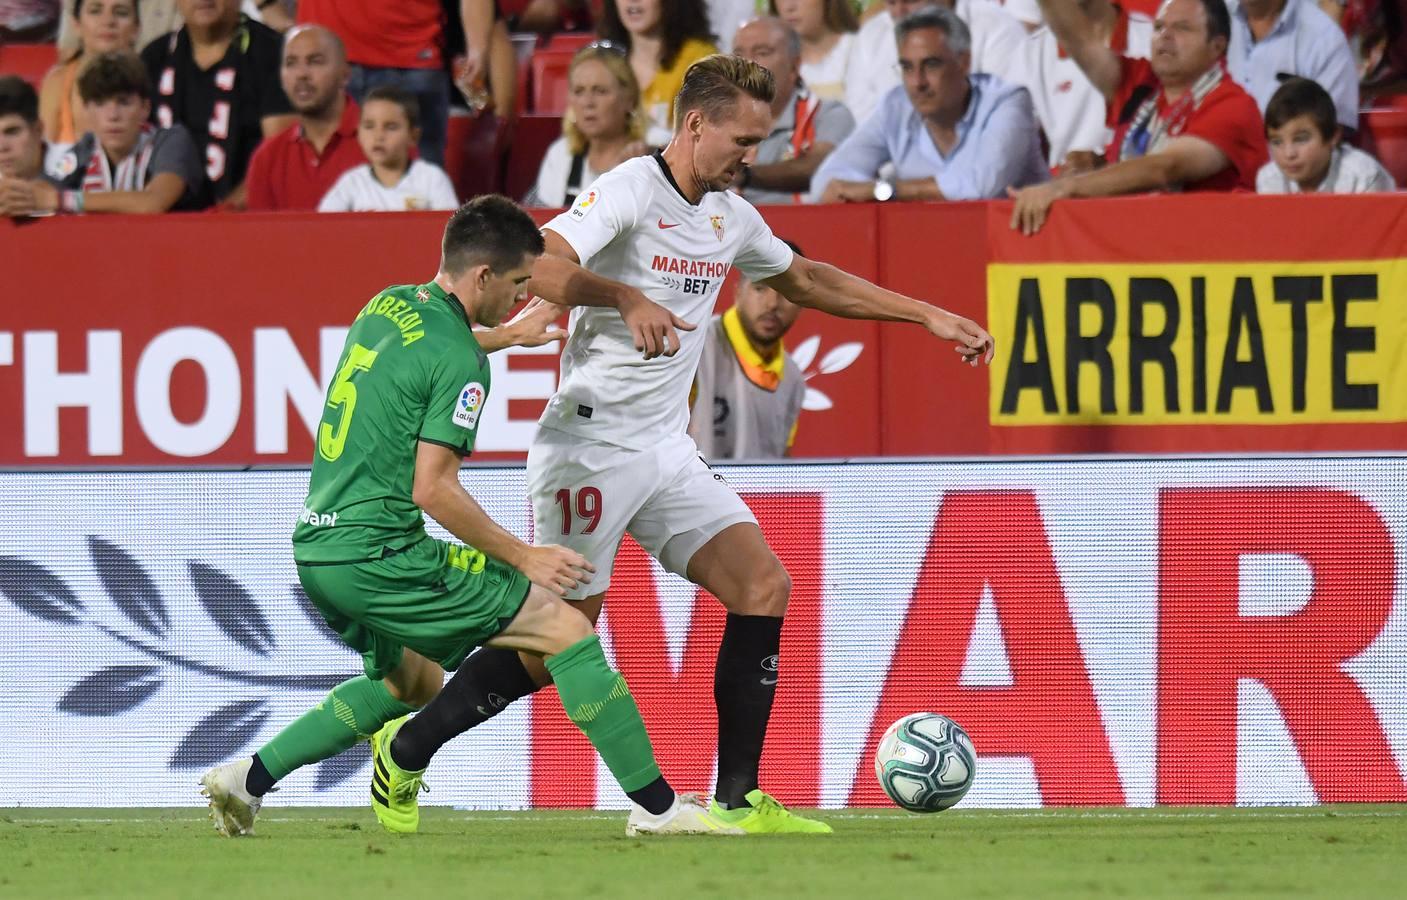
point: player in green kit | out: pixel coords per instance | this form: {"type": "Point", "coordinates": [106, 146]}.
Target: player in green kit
{"type": "Point", "coordinates": [402, 411]}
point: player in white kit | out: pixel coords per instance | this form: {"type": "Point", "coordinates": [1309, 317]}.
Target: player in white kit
{"type": "Point", "coordinates": [654, 239]}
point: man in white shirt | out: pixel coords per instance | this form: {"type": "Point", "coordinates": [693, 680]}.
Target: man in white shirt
{"type": "Point", "coordinates": [657, 236]}
{"type": "Point", "coordinates": [997, 38]}
{"type": "Point", "coordinates": [1070, 109]}
{"type": "Point", "coordinates": [1273, 39]}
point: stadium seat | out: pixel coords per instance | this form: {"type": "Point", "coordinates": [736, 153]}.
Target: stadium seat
{"type": "Point", "coordinates": [532, 135]}
{"type": "Point", "coordinates": [474, 151]}
{"type": "Point", "coordinates": [523, 47]}
{"type": "Point", "coordinates": [570, 41]}
{"type": "Point", "coordinates": [549, 80]}
{"type": "Point", "coordinates": [1384, 134]}
{"type": "Point", "coordinates": [29, 61]}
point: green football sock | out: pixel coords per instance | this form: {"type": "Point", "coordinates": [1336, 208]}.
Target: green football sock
{"type": "Point", "coordinates": [596, 698]}
{"type": "Point", "coordinates": [354, 711]}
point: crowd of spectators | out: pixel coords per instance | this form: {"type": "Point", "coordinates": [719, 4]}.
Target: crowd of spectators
{"type": "Point", "coordinates": [343, 105]}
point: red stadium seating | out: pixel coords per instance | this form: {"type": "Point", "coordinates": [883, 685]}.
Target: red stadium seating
{"type": "Point", "coordinates": [474, 151]}
{"type": "Point", "coordinates": [29, 61]}
{"type": "Point", "coordinates": [549, 72]}
{"type": "Point", "coordinates": [1383, 133]}
{"type": "Point", "coordinates": [523, 47]}
{"type": "Point", "coordinates": [532, 135]}
{"type": "Point", "coordinates": [549, 81]}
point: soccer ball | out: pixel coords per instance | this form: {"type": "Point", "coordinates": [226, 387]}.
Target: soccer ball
{"type": "Point", "coordinates": [925, 762]}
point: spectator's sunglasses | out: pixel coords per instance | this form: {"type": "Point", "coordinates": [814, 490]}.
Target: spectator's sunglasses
{"type": "Point", "coordinates": [608, 46]}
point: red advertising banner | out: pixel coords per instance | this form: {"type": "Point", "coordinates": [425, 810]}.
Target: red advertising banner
{"type": "Point", "coordinates": [1169, 324]}
{"type": "Point", "coordinates": [1109, 632]}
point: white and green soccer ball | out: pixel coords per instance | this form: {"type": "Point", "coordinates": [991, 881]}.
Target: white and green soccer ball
{"type": "Point", "coordinates": [925, 762]}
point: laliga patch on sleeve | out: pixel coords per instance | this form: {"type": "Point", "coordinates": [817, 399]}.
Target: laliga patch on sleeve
{"type": "Point", "coordinates": [584, 205]}
{"type": "Point", "coordinates": [470, 404]}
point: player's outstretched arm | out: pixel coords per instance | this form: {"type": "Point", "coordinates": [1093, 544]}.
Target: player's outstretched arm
{"type": "Point", "coordinates": [559, 277]}
{"type": "Point", "coordinates": [437, 491]}
{"type": "Point", "coordinates": [824, 287]}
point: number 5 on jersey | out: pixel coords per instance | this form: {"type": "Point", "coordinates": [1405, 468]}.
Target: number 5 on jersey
{"type": "Point", "coordinates": [343, 396]}
{"type": "Point", "coordinates": [588, 508]}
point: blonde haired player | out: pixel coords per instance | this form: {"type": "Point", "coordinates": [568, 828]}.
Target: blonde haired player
{"type": "Point", "coordinates": [642, 254]}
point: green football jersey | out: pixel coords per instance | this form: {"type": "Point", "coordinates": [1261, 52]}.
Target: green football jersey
{"type": "Point", "coordinates": [411, 371]}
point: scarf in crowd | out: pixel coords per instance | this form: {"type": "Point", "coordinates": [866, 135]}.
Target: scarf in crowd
{"type": "Point", "coordinates": [130, 174]}
{"type": "Point", "coordinates": [1149, 132]}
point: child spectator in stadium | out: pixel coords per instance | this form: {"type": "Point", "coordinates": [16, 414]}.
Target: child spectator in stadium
{"type": "Point", "coordinates": [126, 165]}
{"type": "Point", "coordinates": [22, 147]}
{"type": "Point", "coordinates": [219, 76]}
{"type": "Point", "coordinates": [662, 38]}
{"type": "Point", "coordinates": [748, 390]}
{"type": "Point", "coordinates": [102, 26]}
{"type": "Point", "coordinates": [829, 57]}
{"type": "Point", "coordinates": [294, 169]}
{"type": "Point", "coordinates": [391, 181]}
{"type": "Point", "coordinates": [604, 126]}
{"type": "Point", "coordinates": [403, 43]}
{"type": "Point", "coordinates": [1307, 153]}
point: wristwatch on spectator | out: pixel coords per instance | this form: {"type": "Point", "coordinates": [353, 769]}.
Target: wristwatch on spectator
{"type": "Point", "coordinates": [883, 189]}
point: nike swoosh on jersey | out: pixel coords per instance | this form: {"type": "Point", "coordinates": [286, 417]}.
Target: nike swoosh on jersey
{"type": "Point", "coordinates": [663, 226]}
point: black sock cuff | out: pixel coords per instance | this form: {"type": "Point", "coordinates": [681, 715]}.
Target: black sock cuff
{"type": "Point", "coordinates": [745, 633]}
{"type": "Point", "coordinates": [258, 781]}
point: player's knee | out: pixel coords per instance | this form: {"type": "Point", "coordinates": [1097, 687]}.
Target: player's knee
{"type": "Point", "coordinates": [766, 593]}
{"type": "Point", "coordinates": [418, 687]}
{"type": "Point", "coordinates": [569, 626]}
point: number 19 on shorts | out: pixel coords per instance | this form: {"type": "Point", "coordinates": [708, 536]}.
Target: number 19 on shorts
{"type": "Point", "coordinates": [587, 506]}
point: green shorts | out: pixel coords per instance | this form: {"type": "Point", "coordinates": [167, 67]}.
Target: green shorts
{"type": "Point", "coordinates": [439, 599]}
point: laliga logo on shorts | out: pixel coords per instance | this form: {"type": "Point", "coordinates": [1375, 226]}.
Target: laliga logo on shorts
{"type": "Point", "coordinates": [136, 616]}
{"type": "Point", "coordinates": [834, 361]}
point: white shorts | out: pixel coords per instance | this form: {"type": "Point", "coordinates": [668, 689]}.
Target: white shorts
{"type": "Point", "coordinates": [587, 495]}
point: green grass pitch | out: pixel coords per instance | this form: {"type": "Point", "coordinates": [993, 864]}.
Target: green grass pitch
{"type": "Point", "coordinates": [1338, 852]}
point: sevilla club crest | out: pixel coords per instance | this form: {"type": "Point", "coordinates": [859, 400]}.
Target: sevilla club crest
{"type": "Point", "coordinates": [717, 226]}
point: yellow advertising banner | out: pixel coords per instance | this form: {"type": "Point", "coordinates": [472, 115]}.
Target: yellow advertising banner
{"type": "Point", "coordinates": [1198, 343]}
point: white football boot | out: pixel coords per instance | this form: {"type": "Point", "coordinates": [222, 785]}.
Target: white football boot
{"type": "Point", "coordinates": [688, 815]}
{"type": "Point", "coordinates": [232, 808]}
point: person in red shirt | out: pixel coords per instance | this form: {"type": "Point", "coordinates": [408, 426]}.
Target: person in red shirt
{"type": "Point", "coordinates": [1180, 122]}
{"type": "Point", "coordinates": [295, 168]}
{"type": "Point", "coordinates": [403, 44]}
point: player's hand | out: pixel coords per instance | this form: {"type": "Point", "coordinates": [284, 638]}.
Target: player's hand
{"type": "Point", "coordinates": [535, 324]}
{"type": "Point", "coordinates": [1033, 205]}
{"type": "Point", "coordinates": [974, 344]}
{"type": "Point", "coordinates": [652, 326]}
{"type": "Point", "coordinates": [556, 568]}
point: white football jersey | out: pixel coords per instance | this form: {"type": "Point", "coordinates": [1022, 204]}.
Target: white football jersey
{"type": "Point", "coordinates": [634, 226]}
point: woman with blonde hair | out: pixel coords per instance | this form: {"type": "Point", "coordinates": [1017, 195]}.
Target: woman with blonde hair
{"type": "Point", "coordinates": [661, 39]}
{"type": "Point", "coordinates": [829, 54]}
{"type": "Point", "coordinates": [605, 124]}
{"type": "Point", "coordinates": [102, 26]}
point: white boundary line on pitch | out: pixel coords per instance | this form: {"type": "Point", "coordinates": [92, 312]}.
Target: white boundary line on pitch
{"type": "Point", "coordinates": [472, 816]}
